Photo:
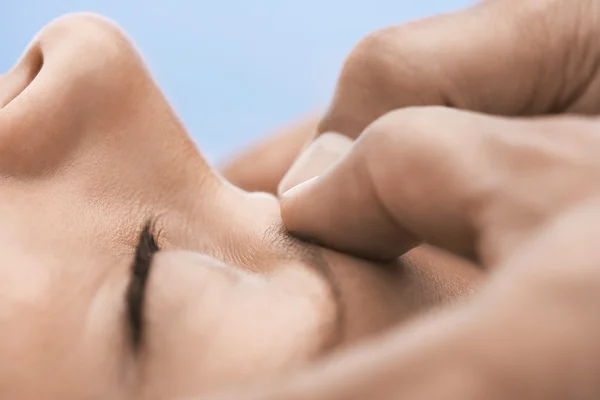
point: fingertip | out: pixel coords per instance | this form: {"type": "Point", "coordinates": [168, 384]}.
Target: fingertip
{"type": "Point", "coordinates": [293, 203]}
{"type": "Point", "coordinates": [299, 189]}
{"type": "Point", "coordinates": [321, 154]}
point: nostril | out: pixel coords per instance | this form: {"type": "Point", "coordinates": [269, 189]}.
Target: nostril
{"type": "Point", "coordinates": [15, 81]}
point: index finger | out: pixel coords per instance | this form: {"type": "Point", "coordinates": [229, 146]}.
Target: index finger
{"type": "Point", "coordinates": [493, 57]}
{"type": "Point", "coordinates": [413, 175]}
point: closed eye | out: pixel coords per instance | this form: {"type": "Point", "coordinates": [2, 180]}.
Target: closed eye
{"type": "Point", "coordinates": [136, 289]}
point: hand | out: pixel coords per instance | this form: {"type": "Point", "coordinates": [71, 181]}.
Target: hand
{"type": "Point", "coordinates": [502, 57]}
{"type": "Point", "coordinates": [518, 196]}
{"type": "Point", "coordinates": [260, 166]}
{"type": "Point", "coordinates": [521, 198]}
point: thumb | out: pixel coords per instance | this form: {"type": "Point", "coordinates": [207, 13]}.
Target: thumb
{"type": "Point", "coordinates": [315, 159]}
{"type": "Point", "coordinates": [413, 174]}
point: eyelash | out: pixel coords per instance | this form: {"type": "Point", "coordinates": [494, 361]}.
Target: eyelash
{"type": "Point", "coordinates": [140, 270]}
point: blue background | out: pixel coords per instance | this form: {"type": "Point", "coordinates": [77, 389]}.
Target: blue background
{"type": "Point", "coordinates": [232, 69]}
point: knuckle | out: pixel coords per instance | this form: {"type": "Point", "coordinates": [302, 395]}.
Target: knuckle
{"type": "Point", "coordinates": [369, 54]}
{"type": "Point", "coordinates": [386, 70]}
{"type": "Point", "coordinates": [364, 76]}
{"type": "Point", "coordinates": [420, 144]}
{"type": "Point", "coordinates": [399, 141]}
{"type": "Point", "coordinates": [413, 126]}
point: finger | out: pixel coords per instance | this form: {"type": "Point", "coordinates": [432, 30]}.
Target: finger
{"type": "Point", "coordinates": [530, 334]}
{"type": "Point", "coordinates": [260, 167]}
{"type": "Point", "coordinates": [315, 159]}
{"type": "Point", "coordinates": [495, 57]}
{"type": "Point", "coordinates": [419, 173]}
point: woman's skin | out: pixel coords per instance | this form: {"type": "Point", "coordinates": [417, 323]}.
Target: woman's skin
{"type": "Point", "coordinates": [91, 152]}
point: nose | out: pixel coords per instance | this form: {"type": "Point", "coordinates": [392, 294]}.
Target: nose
{"type": "Point", "coordinates": [81, 82]}
{"type": "Point", "coordinates": [20, 76]}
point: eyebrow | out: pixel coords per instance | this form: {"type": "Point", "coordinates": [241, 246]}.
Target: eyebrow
{"type": "Point", "coordinates": [310, 254]}
{"type": "Point", "coordinates": [136, 290]}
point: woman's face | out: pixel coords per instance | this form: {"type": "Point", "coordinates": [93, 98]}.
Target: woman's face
{"type": "Point", "coordinates": [90, 152]}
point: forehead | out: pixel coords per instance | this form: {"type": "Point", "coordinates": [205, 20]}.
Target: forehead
{"type": "Point", "coordinates": [59, 306]}
{"type": "Point", "coordinates": [60, 321]}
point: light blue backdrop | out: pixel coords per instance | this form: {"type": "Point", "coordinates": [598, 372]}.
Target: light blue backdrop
{"type": "Point", "coordinates": [232, 69]}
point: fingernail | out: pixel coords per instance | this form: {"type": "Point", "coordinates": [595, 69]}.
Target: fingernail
{"type": "Point", "coordinates": [323, 152]}
{"type": "Point", "coordinates": [293, 191]}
